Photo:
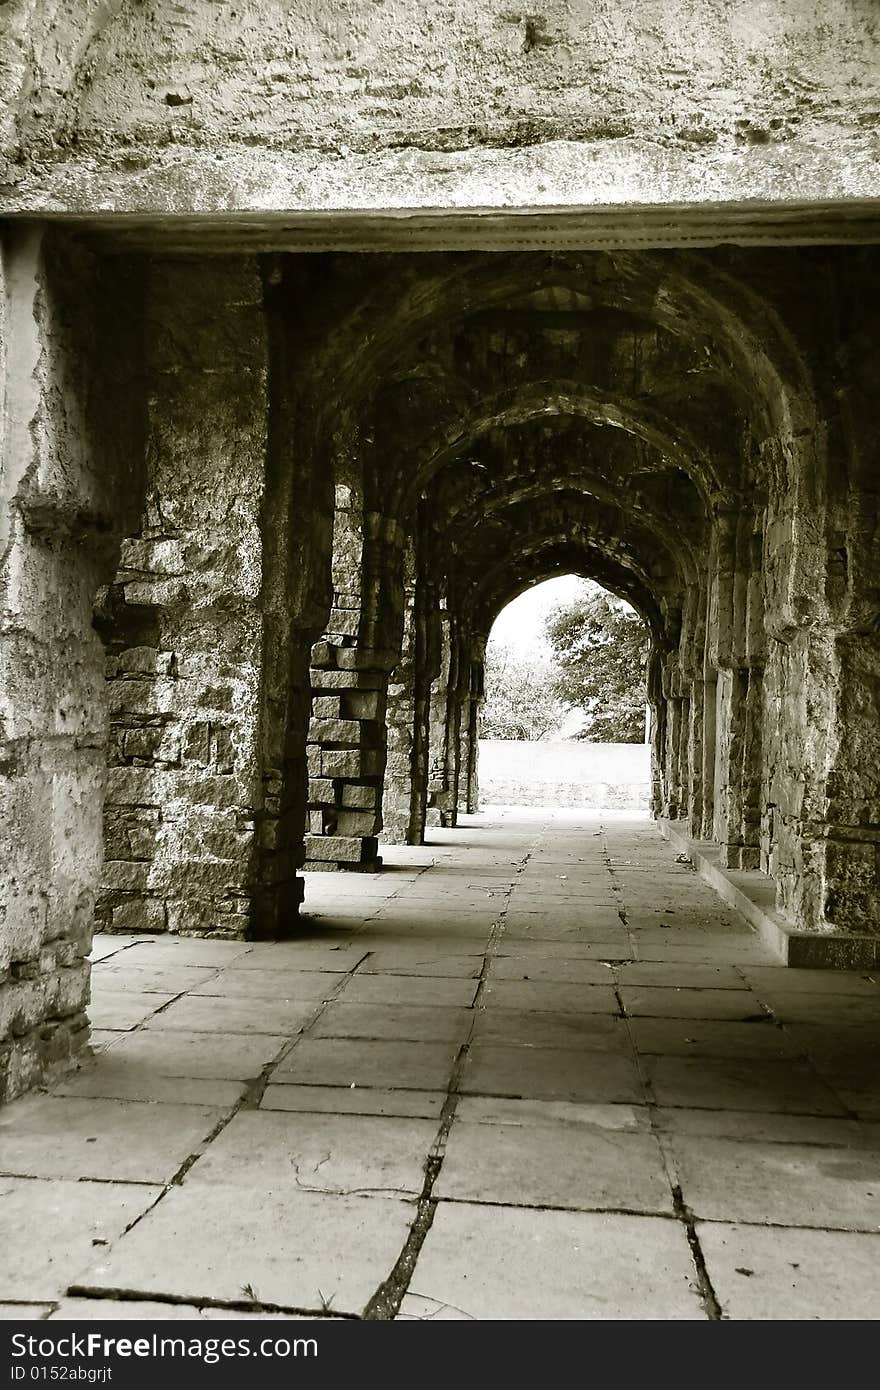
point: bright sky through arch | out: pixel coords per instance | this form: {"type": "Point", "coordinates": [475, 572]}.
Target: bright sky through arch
{"type": "Point", "coordinates": [520, 626]}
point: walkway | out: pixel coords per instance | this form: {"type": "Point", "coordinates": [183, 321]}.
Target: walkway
{"type": "Point", "coordinates": [533, 1070]}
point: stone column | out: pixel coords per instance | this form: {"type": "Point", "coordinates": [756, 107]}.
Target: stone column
{"type": "Point", "coordinates": [347, 734]}
{"type": "Point", "coordinates": [69, 484]}
{"type": "Point", "coordinates": [400, 722]}
{"type": "Point", "coordinates": [183, 622]}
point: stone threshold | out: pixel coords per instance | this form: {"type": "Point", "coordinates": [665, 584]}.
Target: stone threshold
{"type": "Point", "coordinates": [753, 895]}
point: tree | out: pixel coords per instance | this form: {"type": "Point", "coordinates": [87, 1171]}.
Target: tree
{"type": "Point", "coordinates": [520, 697]}
{"type": "Point", "coordinates": [600, 646]}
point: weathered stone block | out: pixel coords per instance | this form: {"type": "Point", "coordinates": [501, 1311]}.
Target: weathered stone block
{"type": "Point", "coordinates": [340, 849]}
{"type": "Point", "coordinates": [139, 915]}
{"type": "Point", "coordinates": [363, 704]}
{"type": "Point", "coordinates": [358, 823]}
{"type": "Point", "coordinates": [327, 707]}
{"type": "Point", "coordinates": [344, 732]}
{"type": "Point", "coordinates": [361, 796]}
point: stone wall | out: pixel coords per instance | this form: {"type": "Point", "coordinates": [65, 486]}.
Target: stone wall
{"type": "Point", "coordinates": [596, 776]}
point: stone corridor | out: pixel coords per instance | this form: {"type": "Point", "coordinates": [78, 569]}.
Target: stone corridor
{"type": "Point", "coordinates": [533, 1069]}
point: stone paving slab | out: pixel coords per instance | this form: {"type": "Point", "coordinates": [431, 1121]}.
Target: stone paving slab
{"type": "Point", "coordinates": [241, 1057]}
{"type": "Point", "coordinates": [418, 1066]}
{"type": "Point", "coordinates": [723, 1004]}
{"type": "Point", "coordinates": [520, 1264]}
{"type": "Point", "coordinates": [583, 1167]}
{"type": "Point", "coordinates": [551, 1074]}
{"type": "Point", "coordinates": [357, 1154]}
{"type": "Point", "coordinates": [311, 986]}
{"type": "Point", "coordinates": [420, 962]}
{"type": "Point", "coordinates": [611, 950]}
{"type": "Point", "coordinates": [769, 1128]}
{"type": "Point", "coordinates": [789, 1087]}
{"type": "Point", "coordinates": [762, 1274]}
{"type": "Point", "coordinates": [421, 1023]}
{"type": "Point", "coordinates": [117, 1077]}
{"type": "Point", "coordinates": [111, 1140]}
{"type": "Point", "coordinates": [168, 979]}
{"type": "Point", "coordinates": [551, 996]}
{"type": "Point", "coordinates": [499, 1110]}
{"type": "Point", "coordinates": [120, 1010]}
{"type": "Point", "coordinates": [29, 1312]}
{"type": "Point", "coordinates": [663, 975]}
{"type": "Point", "coordinates": [301, 955]}
{"type": "Point", "coordinates": [519, 1027]}
{"type": "Point", "coordinates": [107, 944]}
{"type": "Point", "coordinates": [779, 1184]}
{"type": "Point", "coordinates": [827, 1009]}
{"type": "Point", "coordinates": [296, 1250]}
{"type": "Point", "coordinates": [790, 980]}
{"type": "Point", "coordinates": [561, 969]}
{"type": "Point", "coordinates": [698, 1037]}
{"type": "Point", "coordinates": [184, 950]}
{"type": "Point", "coordinates": [409, 989]}
{"type": "Point", "coordinates": [49, 1231]}
{"type": "Point", "coordinates": [233, 1014]}
{"type": "Point", "coordinates": [360, 1100]}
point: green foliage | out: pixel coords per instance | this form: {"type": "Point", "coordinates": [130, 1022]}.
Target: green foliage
{"type": "Point", "coordinates": [520, 698]}
{"type": "Point", "coordinates": [600, 648]}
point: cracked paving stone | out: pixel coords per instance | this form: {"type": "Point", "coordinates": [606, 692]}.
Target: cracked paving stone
{"type": "Point", "coordinates": [297, 1250]}
{"type": "Point", "coordinates": [19, 1312]}
{"type": "Point", "coordinates": [49, 1230]}
{"type": "Point", "coordinates": [761, 1274]}
{"type": "Point", "coordinates": [141, 1310]}
{"type": "Point", "coordinates": [519, 1264]}
{"type": "Point", "coordinates": [322, 1153]}
{"type": "Point", "coordinates": [581, 1166]}
{"type": "Point", "coordinates": [551, 1074]}
{"type": "Point", "coordinates": [418, 1066]}
{"type": "Point", "coordinates": [68, 1137]}
{"type": "Point", "coordinates": [779, 1184]}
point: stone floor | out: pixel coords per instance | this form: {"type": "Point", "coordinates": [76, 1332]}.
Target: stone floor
{"type": "Point", "coordinates": [534, 1069]}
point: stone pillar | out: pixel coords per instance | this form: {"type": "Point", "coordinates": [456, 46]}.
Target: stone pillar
{"type": "Point", "coordinates": [347, 746]}
{"type": "Point", "coordinates": [440, 802]}
{"type": "Point", "coordinates": [69, 481]}
{"type": "Point", "coordinates": [469, 749]}
{"type": "Point", "coordinates": [400, 722]}
{"type": "Point", "coordinates": [183, 623]}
